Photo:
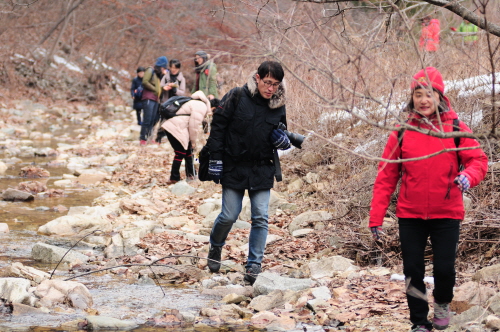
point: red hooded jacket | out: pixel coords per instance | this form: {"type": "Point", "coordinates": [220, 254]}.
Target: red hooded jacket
{"type": "Point", "coordinates": [427, 189]}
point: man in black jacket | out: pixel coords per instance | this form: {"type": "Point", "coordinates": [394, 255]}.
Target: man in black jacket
{"type": "Point", "coordinates": [137, 84]}
{"type": "Point", "coordinates": [242, 144]}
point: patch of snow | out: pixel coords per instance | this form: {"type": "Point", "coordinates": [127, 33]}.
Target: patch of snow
{"type": "Point", "coordinates": [473, 85]}
{"type": "Point", "coordinates": [69, 65]}
{"type": "Point", "coordinates": [364, 147]}
{"type": "Point", "coordinates": [124, 73]}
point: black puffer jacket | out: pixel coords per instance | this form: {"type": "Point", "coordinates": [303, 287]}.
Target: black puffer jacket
{"type": "Point", "coordinates": [240, 136]}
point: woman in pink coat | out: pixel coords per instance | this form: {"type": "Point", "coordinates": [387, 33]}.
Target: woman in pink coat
{"type": "Point", "coordinates": [430, 203]}
{"type": "Point", "coordinates": [182, 133]}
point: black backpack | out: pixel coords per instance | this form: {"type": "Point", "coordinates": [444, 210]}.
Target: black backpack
{"type": "Point", "coordinates": [169, 108]}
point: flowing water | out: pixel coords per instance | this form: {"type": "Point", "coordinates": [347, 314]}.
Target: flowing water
{"type": "Point", "coordinates": [112, 295]}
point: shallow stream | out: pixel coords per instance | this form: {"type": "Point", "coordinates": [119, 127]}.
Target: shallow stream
{"type": "Point", "coordinates": [112, 295]}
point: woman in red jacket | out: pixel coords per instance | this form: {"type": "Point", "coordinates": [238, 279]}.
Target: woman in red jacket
{"type": "Point", "coordinates": [430, 200]}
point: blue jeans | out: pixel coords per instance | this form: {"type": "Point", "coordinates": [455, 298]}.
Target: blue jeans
{"type": "Point", "coordinates": [149, 118]}
{"type": "Point", "coordinates": [444, 235]}
{"type": "Point", "coordinates": [231, 208]}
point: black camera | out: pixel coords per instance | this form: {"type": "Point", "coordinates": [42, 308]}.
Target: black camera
{"type": "Point", "coordinates": [295, 139]}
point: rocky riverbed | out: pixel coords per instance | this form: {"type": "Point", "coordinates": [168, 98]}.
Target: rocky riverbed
{"type": "Point", "coordinates": [130, 250]}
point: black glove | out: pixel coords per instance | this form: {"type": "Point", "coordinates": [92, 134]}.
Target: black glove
{"type": "Point", "coordinates": [279, 139]}
{"type": "Point", "coordinates": [215, 170]}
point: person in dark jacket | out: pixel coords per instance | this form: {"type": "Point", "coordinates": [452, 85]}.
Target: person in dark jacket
{"type": "Point", "coordinates": [242, 145]}
{"type": "Point", "coordinates": [151, 97]}
{"type": "Point", "coordinates": [430, 203]}
{"type": "Point", "coordinates": [137, 84]}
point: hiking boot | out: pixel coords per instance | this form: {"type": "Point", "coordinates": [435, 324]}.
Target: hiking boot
{"type": "Point", "coordinates": [420, 328]}
{"type": "Point", "coordinates": [251, 273]}
{"type": "Point", "coordinates": [214, 256]}
{"type": "Point", "coordinates": [143, 142]}
{"type": "Point", "coordinates": [441, 318]}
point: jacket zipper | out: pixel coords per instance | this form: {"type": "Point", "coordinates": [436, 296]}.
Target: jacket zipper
{"type": "Point", "coordinates": [450, 182]}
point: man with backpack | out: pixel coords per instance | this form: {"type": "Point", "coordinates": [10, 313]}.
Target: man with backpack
{"type": "Point", "coordinates": [243, 147]}
{"type": "Point", "coordinates": [136, 92]}
{"type": "Point", "coordinates": [151, 97]}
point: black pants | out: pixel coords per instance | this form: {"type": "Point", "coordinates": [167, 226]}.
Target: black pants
{"type": "Point", "coordinates": [180, 154]}
{"type": "Point", "coordinates": [444, 234]}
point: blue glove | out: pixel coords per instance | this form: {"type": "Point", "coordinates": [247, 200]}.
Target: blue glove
{"type": "Point", "coordinates": [279, 139]}
{"type": "Point", "coordinates": [462, 182]}
{"type": "Point", "coordinates": [376, 232]}
{"type": "Point", "coordinates": [215, 170]}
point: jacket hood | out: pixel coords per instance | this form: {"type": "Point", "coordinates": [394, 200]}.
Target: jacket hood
{"type": "Point", "coordinates": [276, 101]}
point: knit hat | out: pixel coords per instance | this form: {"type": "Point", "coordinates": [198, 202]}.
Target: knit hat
{"type": "Point", "coordinates": [203, 55]}
{"type": "Point", "coordinates": [162, 62]}
{"type": "Point", "coordinates": [423, 77]}
{"type": "Point", "coordinates": [139, 69]}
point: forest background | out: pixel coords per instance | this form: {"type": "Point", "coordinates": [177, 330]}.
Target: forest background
{"type": "Point", "coordinates": [348, 68]}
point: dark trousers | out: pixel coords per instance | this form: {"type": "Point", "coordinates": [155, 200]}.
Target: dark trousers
{"type": "Point", "coordinates": [444, 234]}
{"type": "Point", "coordinates": [180, 154]}
{"type": "Point", "coordinates": [149, 118]}
{"type": "Point", "coordinates": [138, 111]}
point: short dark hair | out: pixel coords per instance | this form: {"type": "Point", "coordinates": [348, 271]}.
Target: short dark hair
{"type": "Point", "coordinates": [175, 63]}
{"type": "Point", "coordinates": [272, 69]}
{"type": "Point", "coordinates": [139, 69]}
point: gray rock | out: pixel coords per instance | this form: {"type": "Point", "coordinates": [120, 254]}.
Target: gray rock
{"type": "Point", "coordinates": [107, 323]}
{"type": "Point", "coordinates": [322, 293]}
{"type": "Point", "coordinates": [206, 208]}
{"type": "Point", "coordinates": [495, 304]}
{"type": "Point", "coordinates": [182, 188]}
{"type": "Point", "coordinates": [16, 195]}
{"type": "Point", "coordinates": [267, 282]}
{"type": "Point", "coordinates": [493, 322]}
{"type": "Point", "coordinates": [302, 232]}
{"type": "Point", "coordinates": [475, 313]}
{"type": "Point", "coordinates": [273, 300]}
{"type": "Point", "coordinates": [239, 224]}
{"type": "Point", "coordinates": [330, 267]}
{"type": "Point", "coordinates": [489, 273]}
{"type": "Point", "coordinates": [47, 253]}
{"type": "Point", "coordinates": [208, 222]}
{"type": "Point", "coordinates": [308, 219]}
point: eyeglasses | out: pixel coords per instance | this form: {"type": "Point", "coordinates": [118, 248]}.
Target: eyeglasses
{"type": "Point", "coordinates": [270, 84]}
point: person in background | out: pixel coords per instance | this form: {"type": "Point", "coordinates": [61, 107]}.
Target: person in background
{"type": "Point", "coordinates": [173, 84]}
{"type": "Point", "coordinates": [242, 145]}
{"type": "Point", "coordinates": [429, 38]}
{"type": "Point", "coordinates": [182, 133]}
{"type": "Point", "coordinates": [469, 32]}
{"type": "Point", "coordinates": [430, 202]}
{"type": "Point", "coordinates": [137, 84]}
{"type": "Point", "coordinates": [151, 97]}
{"type": "Point", "coordinates": [206, 75]}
